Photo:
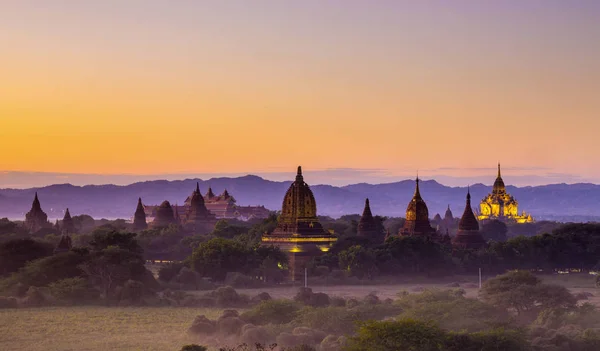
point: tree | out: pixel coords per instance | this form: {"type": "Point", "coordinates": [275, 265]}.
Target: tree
{"type": "Point", "coordinates": [357, 260]}
{"type": "Point", "coordinates": [15, 253]}
{"type": "Point", "coordinates": [103, 238]}
{"type": "Point", "coordinates": [523, 292]}
{"type": "Point", "coordinates": [113, 266]}
{"type": "Point", "coordinates": [404, 334]}
{"type": "Point", "coordinates": [216, 257]}
{"type": "Point", "coordinates": [494, 230]}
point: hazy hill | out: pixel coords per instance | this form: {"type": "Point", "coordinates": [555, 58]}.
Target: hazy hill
{"type": "Point", "coordinates": [557, 201]}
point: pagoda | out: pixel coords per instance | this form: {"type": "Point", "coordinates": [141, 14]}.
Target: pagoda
{"type": "Point", "coordinates": [36, 218]}
{"type": "Point", "coordinates": [68, 227]}
{"type": "Point", "coordinates": [164, 215]}
{"type": "Point", "coordinates": [500, 205]}
{"type": "Point", "coordinates": [139, 218]}
{"type": "Point", "coordinates": [417, 217]}
{"type": "Point", "coordinates": [299, 232]}
{"type": "Point", "coordinates": [468, 235]}
{"type": "Point", "coordinates": [65, 244]}
{"type": "Point", "coordinates": [367, 227]}
{"type": "Point", "coordinates": [197, 217]}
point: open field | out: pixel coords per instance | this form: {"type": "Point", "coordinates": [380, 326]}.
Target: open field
{"type": "Point", "coordinates": [164, 328]}
{"type": "Point", "coordinates": [98, 328]}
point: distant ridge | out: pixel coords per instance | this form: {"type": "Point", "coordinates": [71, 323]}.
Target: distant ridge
{"type": "Point", "coordinates": [555, 201]}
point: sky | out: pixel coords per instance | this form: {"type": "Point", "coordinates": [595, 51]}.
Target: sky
{"type": "Point", "coordinates": [112, 91]}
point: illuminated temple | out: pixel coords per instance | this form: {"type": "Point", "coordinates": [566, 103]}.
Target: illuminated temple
{"type": "Point", "coordinates": [502, 206]}
{"type": "Point", "coordinates": [299, 232]}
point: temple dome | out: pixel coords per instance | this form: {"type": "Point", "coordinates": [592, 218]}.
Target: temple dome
{"type": "Point", "coordinates": [197, 201]}
{"type": "Point", "coordinates": [499, 187]}
{"type": "Point", "coordinates": [299, 201]}
{"type": "Point", "coordinates": [417, 208]}
{"type": "Point", "coordinates": [417, 216]}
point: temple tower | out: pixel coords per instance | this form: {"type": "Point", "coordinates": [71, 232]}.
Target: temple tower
{"type": "Point", "coordinates": [139, 218]}
{"type": "Point", "coordinates": [367, 227]}
{"type": "Point", "coordinates": [36, 218]}
{"type": "Point", "coordinates": [298, 231]}
{"type": "Point", "coordinates": [198, 218]}
{"type": "Point", "coordinates": [468, 235]}
{"type": "Point", "coordinates": [500, 205]}
{"type": "Point", "coordinates": [68, 227]}
{"type": "Point", "coordinates": [417, 217]}
{"type": "Point", "coordinates": [164, 215]}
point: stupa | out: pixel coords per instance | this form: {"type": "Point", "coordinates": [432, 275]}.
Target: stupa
{"type": "Point", "coordinates": [299, 232]}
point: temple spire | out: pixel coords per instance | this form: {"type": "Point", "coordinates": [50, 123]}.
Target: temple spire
{"type": "Point", "coordinates": [198, 187]}
{"type": "Point", "coordinates": [417, 192]}
{"type": "Point", "coordinates": [299, 177]}
{"type": "Point", "coordinates": [498, 169]}
{"type": "Point", "coordinates": [367, 210]}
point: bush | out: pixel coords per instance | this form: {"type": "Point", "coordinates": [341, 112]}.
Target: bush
{"type": "Point", "coordinates": [263, 296]}
{"type": "Point", "coordinates": [8, 302]}
{"type": "Point", "coordinates": [319, 300]}
{"type": "Point", "coordinates": [337, 301]}
{"type": "Point", "coordinates": [239, 280]}
{"type": "Point", "coordinates": [372, 299]}
{"type": "Point", "coordinates": [202, 325]}
{"type": "Point", "coordinates": [272, 311]}
{"type": "Point", "coordinates": [72, 290]}
{"type": "Point", "coordinates": [252, 334]}
{"type": "Point", "coordinates": [194, 347]}
{"type": "Point", "coordinates": [226, 296]}
{"type": "Point", "coordinates": [230, 325]}
{"type": "Point", "coordinates": [169, 271]}
{"type": "Point", "coordinates": [132, 291]}
{"type": "Point", "coordinates": [34, 297]}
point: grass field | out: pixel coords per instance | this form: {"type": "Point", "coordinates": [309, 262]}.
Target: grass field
{"type": "Point", "coordinates": [164, 328]}
{"type": "Point", "coordinates": [98, 328]}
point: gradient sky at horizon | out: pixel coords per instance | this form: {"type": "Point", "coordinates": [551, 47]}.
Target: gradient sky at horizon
{"type": "Point", "coordinates": [204, 87]}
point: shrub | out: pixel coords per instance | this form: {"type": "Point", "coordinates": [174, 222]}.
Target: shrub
{"type": "Point", "coordinates": [252, 334]}
{"type": "Point", "coordinates": [372, 299]}
{"type": "Point", "coordinates": [226, 296]}
{"type": "Point", "coordinates": [73, 290]}
{"type": "Point", "coordinates": [319, 300]}
{"type": "Point", "coordinates": [34, 297]}
{"type": "Point", "coordinates": [202, 325]}
{"type": "Point", "coordinates": [407, 334]}
{"type": "Point", "coordinates": [272, 311]}
{"type": "Point", "coordinates": [263, 296]}
{"type": "Point", "coordinates": [169, 271]}
{"type": "Point", "coordinates": [303, 295]}
{"type": "Point", "coordinates": [239, 280]}
{"type": "Point", "coordinates": [230, 325]}
{"type": "Point", "coordinates": [194, 347]}
{"type": "Point", "coordinates": [132, 291]}
{"type": "Point", "coordinates": [8, 302]}
{"type": "Point", "coordinates": [337, 301]}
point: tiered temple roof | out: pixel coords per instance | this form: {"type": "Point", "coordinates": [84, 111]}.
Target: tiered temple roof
{"type": "Point", "coordinates": [36, 218]}
{"type": "Point", "coordinates": [139, 218]}
{"type": "Point", "coordinates": [501, 205]}
{"type": "Point", "coordinates": [367, 227]}
{"type": "Point", "coordinates": [68, 227]}
{"type": "Point", "coordinates": [468, 235]}
{"type": "Point", "coordinates": [197, 216]}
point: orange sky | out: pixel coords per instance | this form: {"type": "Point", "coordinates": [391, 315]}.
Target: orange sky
{"type": "Point", "coordinates": [148, 88]}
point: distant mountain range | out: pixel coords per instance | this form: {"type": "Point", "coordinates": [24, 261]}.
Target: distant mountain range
{"type": "Point", "coordinates": [563, 202]}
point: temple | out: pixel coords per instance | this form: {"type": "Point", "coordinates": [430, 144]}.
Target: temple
{"type": "Point", "coordinates": [36, 218]}
{"type": "Point", "coordinates": [222, 206]}
{"type": "Point", "coordinates": [417, 217]}
{"type": "Point", "coordinates": [164, 216]}
{"type": "Point", "coordinates": [367, 227]}
{"type": "Point", "coordinates": [68, 227]}
{"type": "Point", "coordinates": [197, 217]}
{"type": "Point", "coordinates": [299, 232]}
{"type": "Point", "coordinates": [500, 205]}
{"type": "Point", "coordinates": [139, 218]}
{"type": "Point", "coordinates": [468, 235]}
